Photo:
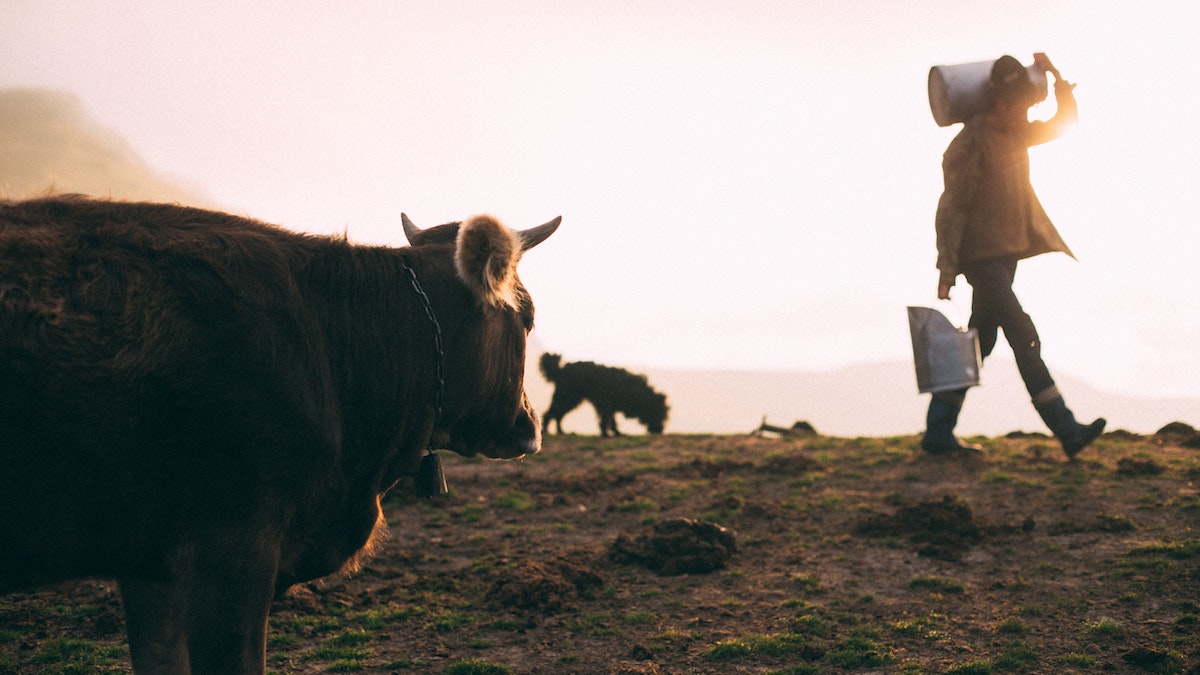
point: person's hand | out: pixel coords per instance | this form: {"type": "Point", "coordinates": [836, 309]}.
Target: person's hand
{"type": "Point", "coordinates": [944, 285]}
{"type": "Point", "coordinates": [1042, 61]}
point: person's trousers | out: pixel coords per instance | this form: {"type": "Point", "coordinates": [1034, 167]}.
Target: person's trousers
{"type": "Point", "coordinates": [994, 306]}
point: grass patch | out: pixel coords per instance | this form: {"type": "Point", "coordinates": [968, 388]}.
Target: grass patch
{"type": "Point", "coordinates": [449, 621]}
{"type": "Point", "coordinates": [1106, 630]}
{"type": "Point", "coordinates": [809, 583]}
{"type": "Point", "coordinates": [920, 626]}
{"type": "Point", "coordinates": [516, 500]}
{"type": "Point", "coordinates": [1012, 627]}
{"type": "Point", "coordinates": [596, 625]}
{"type": "Point", "coordinates": [68, 656]}
{"type": "Point", "coordinates": [858, 652]}
{"type": "Point", "coordinates": [475, 667]}
{"type": "Point", "coordinates": [937, 585]}
{"type": "Point", "coordinates": [779, 644]}
{"type": "Point", "coordinates": [810, 625]}
{"type": "Point", "coordinates": [1184, 549]}
{"type": "Point", "coordinates": [976, 667]}
{"type": "Point", "coordinates": [342, 653]}
{"type": "Point", "coordinates": [640, 618]}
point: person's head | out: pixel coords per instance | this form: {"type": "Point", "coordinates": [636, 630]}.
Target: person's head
{"type": "Point", "coordinates": [1011, 85]}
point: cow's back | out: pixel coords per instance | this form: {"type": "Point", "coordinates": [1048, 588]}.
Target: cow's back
{"type": "Point", "coordinates": [131, 340]}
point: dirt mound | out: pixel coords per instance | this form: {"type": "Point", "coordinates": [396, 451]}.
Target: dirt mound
{"type": "Point", "coordinates": [944, 529]}
{"type": "Point", "coordinates": [1180, 434]}
{"type": "Point", "coordinates": [542, 586]}
{"type": "Point", "coordinates": [1133, 466]}
{"type": "Point", "coordinates": [677, 546]}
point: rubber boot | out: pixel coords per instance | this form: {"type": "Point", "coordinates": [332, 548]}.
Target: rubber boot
{"type": "Point", "coordinates": [1073, 435]}
{"type": "Point", "coordinates": [939, 426]}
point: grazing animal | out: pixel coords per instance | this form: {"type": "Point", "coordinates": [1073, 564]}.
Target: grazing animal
{"type": "Point", "coordinates": [208, 408]}
{"type": "Point", "coordinates": [610, 390]}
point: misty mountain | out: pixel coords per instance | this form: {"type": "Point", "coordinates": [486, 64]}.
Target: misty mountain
{"type": "Point", "coordinates": [878, 399]}
{"type": "Point", "coordinates": [48, 142]}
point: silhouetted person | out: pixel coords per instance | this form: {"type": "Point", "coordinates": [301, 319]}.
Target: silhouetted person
{"type": "Point", "coordinates": [988, 218]}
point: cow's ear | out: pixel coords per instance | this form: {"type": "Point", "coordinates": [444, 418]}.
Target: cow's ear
{"type": "Point", "coordinates": [486, 256]}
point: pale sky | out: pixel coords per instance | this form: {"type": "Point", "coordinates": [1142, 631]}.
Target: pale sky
{"type": "Point", "coordinates": [744, 184]}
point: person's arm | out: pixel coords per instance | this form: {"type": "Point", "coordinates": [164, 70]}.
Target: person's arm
{"type": "Point", "coordinates": [1067, 112]}
{"type": "Point", "coordinates": [960, 170]}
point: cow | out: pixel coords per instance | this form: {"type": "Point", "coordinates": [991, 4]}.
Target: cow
{"type": "Point", "coordinates": [609, 389]}
{"type": "Point", "coordinates": [208, 408]}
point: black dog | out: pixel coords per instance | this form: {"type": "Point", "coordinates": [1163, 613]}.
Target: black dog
{"type": "Point", "coordinates": [609, 390]}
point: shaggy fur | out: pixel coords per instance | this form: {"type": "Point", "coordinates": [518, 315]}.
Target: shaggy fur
{"type": "Point", "coordinates": [609, 390]}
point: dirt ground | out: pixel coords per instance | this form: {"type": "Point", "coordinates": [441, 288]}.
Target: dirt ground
{"type": "Point", "coordinates": [740, 554]}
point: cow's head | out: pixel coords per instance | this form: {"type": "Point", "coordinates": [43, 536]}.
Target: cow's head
{"type": "Point", "coordinates": [484, 407]}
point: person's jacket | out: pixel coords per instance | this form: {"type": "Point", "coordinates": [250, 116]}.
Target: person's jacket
{"type": "Point", "coordinates": [988, 208]}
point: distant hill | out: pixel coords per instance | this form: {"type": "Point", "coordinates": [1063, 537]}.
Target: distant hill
{"type": "Point", "coordinates": [48, 143]}
{"type": "Point", "coordinates": [868, 400]}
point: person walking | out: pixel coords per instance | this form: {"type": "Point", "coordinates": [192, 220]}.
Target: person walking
{"type": "Point", "coordinates": [988, 218]}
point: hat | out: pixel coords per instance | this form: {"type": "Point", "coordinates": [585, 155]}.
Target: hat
{"type": "Point", "coordinates": [1010, 80]}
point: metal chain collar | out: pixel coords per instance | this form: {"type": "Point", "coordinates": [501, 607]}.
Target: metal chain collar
{"type": "Point", "coordinates": [437, 343]}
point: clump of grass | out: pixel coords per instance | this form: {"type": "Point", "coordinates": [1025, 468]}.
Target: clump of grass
{"type": "Point", "coordinates": [450, 621]}
{"type": "Point", "coordinates": [976, 667]}
{"type": "Point", "coordinates": [1105, 629]}
{"type": "Point", "coordinates": [809, 583]}
{"type": "Point", "coordinates": [376, 618]}
{"type": "Point", "coordinates": [858, 652]}
{"type": "Point", "coordinates": [1012, 627]}
{"type": "Point", "coordinates": [470, 513]}
{"type": "Point", "coordinates": [351, 638]}
{"type": "Point", "coordinates": [516, 500]}
{"type": "Point", "coordinates": [1077, 659]}
{"type": "Point", "coordinates": [778, 644]}
{"type": "Point", "coordinates": [475, 667]}
{"type": "Point", "coordinates": [597, 625]}
{"type": "Point", "coordinates": [997, 477]}
{"type": "Point", "coordinates": [640, 618]}
{"type": "Point", "coordinates": [920, 625]}
{"type": "Point", "coordinates": [1017, 657]}
{"type": "Point", "coordinates": [337, 653]}
{"type": "Point", "coordinates": [809, 624]}
{"type": "Point", "coordinates": [1183, 549]}
{"type": "Point", "coordinates": [670, 637]}
{"type": "Point", "coordinates": [71, 655]}
{"type": "Point", "coordinates": [937, 584]}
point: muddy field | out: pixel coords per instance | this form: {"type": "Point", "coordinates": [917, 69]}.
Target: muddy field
{"type": "Point", "coordinates": [740, 554]}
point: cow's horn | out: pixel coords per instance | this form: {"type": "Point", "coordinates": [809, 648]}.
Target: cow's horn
{"type": "Point", "coordinates": [536, 235]}
{"type": "Point", "coordinates": [410, 230]}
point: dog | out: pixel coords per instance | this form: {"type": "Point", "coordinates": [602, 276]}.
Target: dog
{"type": "Point", "coordinates": [610, 390]}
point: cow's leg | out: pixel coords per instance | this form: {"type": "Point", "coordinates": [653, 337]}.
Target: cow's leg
{"type": "Point", "coordinates": [155, 623]}
{"type": "Point", "coordinates": [228, 600]}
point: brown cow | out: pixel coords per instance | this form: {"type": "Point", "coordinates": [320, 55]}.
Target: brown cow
{"type": "Point", "coordinates": [208, 408]}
